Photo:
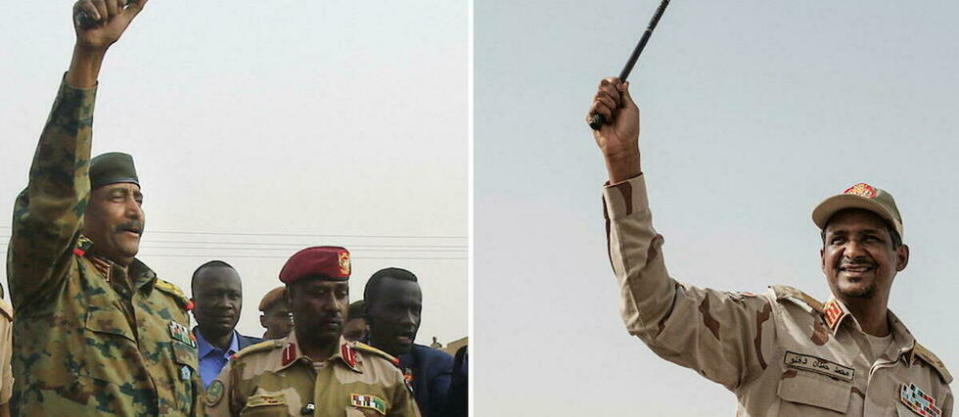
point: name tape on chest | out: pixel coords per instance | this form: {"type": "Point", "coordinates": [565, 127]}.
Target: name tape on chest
{"type": "Point", "coordinates": [918, 401]}
{"type": "Point", "coordinates": [371, 402]}
{"type": "Point", "coordinates": [819, 366]}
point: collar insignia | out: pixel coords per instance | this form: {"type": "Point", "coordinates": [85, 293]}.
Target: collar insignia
{"type": "Point", "coordinates": [918, 401]}
{"type": "Point", "coordinates": [349, 355]}
{"type": "Point", "coordinates": [289, 354]}
{"type": "Point", "coordinates": [833, 313]}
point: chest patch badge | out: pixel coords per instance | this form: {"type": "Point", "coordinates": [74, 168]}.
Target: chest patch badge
{"type": "Point", "coordinates": [819, 366]}
{"type": "Point", "coordinates": [180, 333]}
{"type": "Point", "coordinates": [371, 402]}
{"type": "Point", "coordinates": [214, 393]}
{"type": "Point", "coordinates": [918, 401]}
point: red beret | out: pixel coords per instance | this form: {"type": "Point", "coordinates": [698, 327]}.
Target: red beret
{"type": "Point", "coordinates": [327, 262]}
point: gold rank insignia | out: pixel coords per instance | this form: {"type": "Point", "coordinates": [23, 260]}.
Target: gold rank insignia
{"type": "Point", "coordinates": [344, 259]}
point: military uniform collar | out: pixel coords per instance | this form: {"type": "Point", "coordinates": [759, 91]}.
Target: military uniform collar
{"type": "Point", "coordinates": [346, 354]}
{"type": "Point", "coordinates": [834, 312]}
{"type": "Point", "coordinates": [142, 274]}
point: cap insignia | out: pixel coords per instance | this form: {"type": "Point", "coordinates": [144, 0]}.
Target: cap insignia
{"type": "Point", "coordinates": [344, 259]}
{"type": "Point", "coordinates": [862, 189]}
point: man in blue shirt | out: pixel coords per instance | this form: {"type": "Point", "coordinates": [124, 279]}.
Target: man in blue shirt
{"type": "Point", "coordinates": [218, 300]}
{"type": "Point", "coordinates": [393, 304]}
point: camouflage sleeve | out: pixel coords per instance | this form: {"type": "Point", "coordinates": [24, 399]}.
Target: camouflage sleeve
{"type": "Point", "coordinates": [723, 336]}
{"type": "Point", "coordinates": [47, 215]}
{"type": "Point", "coordinates": [218, 395]}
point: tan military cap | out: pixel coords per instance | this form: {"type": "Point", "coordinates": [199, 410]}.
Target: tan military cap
{"type": "Point", "coordinates": [275, 295]}
{"type": "Point", "coordinates": [860, 196]}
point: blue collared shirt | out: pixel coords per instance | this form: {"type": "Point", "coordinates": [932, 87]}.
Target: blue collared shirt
{"type": "Point", "coordinates": [212, 359]}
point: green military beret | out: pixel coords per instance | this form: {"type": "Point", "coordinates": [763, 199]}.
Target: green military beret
{"type": "Point", "coordinates": [111, 168]}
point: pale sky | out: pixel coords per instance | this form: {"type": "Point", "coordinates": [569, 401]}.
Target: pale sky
{"type": "Point", "coordinates": [270, 127]}
{"type": "Point", "coordinates": [752, 113]}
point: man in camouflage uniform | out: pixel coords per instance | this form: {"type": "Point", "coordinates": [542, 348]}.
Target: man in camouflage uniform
{"type": "Point", "coordinates": [96, 332]}
{"type": "Point", "coordinates": [782, 353]}
{"type": "Point", "coordinates": [314, 371]}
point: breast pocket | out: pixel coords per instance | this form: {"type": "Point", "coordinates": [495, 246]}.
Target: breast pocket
{"type": "Point", "coordinates": [265, 406]}
{"type": "Point", "coordinates": [109, 342]}
{"type": "Point", "coordinates": [809, 394]}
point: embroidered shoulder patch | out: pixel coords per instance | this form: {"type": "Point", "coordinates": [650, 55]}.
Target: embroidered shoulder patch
{"type": "Point", "coordinates": [820, 366]}
{"type": "Point", "coordinates": [368, 401]}
{"type": "Point", "coordinates": [214, 393]}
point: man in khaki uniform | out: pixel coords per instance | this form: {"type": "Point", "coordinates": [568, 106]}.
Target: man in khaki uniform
{"type": "Point", "coordinates": [275, 317]}
{"type": "Point", "coordinates": [782, 353]}
{"type": "Point", "coordinates": [96, 332]}
{"type": "Point", "coordinates": [314, 371]}
{"type": "Point", "coordinates": [6, 344]}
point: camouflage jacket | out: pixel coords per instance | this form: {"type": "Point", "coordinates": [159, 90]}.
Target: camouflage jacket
{"type": "Point", "coordinates": [274, 378]}
{"type": "Point", "coordinates": [782, 353]}
{"type": "Point", "coordinates": [88, 340]}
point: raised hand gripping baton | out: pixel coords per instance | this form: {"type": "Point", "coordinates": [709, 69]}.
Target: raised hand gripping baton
{"type": "Point", "coordinates": [597, 120]}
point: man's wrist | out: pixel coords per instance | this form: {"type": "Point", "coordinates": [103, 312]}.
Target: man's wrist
{"type": "Point", "coordinates": [623, 167]}
{"type": "Point", "coordinates": [85, 66]}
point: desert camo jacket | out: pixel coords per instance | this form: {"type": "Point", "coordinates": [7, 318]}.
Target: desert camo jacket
{"type": "Point", "coordinates": [274, 378]}
{"type": "Point", "coordinates": [782, 353]}
{"type": "Point", "coordinates": [88, 340]}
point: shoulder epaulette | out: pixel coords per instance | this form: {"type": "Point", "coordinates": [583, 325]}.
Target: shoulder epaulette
{"type": "Point", "coordinates": [172, 289]}
{"type": "Point", "coordinates": [264, 346]}
{"type": "Point", "coordinates": [933, 360]}
{"type": "Point", "coordinates": [6, 309]}
{"type": "Point", "coordinates": [790, 293]}
{"type": "Point", "coordinates": [362, 347]}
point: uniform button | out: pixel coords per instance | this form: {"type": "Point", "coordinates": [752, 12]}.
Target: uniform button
{"type": "Point", "coordinates": [308, 409]}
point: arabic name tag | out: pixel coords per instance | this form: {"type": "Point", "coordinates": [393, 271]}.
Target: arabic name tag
{"type": "Point", "coordinates": [819, 366]}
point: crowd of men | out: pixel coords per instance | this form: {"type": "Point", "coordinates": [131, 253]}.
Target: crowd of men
{"type": "Point", "coordinates": [98, 333]}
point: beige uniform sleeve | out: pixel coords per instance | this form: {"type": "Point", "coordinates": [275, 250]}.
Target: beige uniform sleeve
{"type": "Point", "coordinates": [217, 397]}
{"type": "Point", "coordinates": [6, 346]}
{"type": "Point", "coordinates": [723, 336]}
{"type": "Point", "coordinates": [403, 403]}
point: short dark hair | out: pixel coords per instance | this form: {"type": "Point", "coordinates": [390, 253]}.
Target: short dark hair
{"type": "Point", "coordinates": [377, 278]}
{"type": "Point", "coordinates": [216, 263]}
{"type": "Point", "coordinates": [356, 310]}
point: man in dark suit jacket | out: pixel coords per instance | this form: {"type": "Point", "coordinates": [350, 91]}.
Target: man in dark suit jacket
{"type": "Point", "coordinates": [393, 304]}
{"type": "Point", "coordinates": [218, 300]}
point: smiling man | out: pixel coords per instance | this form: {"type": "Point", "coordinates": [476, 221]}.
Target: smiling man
{"type": "Point", "coordinates": [96, 332]}
{"type": "Point", "coordinates": [218, 301]}
{"type": "Point", "coordinates": [782, 353]}
{"type": "Point", "coordinates": [314, 370]}
{"type": "Point", "coordinates": [393, 303]}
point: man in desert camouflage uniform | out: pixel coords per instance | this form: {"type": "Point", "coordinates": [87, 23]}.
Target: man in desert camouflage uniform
{"type": "Point", "coordinates": [314, 371]}
{"type": "Point", "coordinates": [782, 353]}
{"type": "Point", "coordinates": [96, 332]}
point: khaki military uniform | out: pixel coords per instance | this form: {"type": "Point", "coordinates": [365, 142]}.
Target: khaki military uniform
{"type": "Point", "coordinates": [782, 353]}
{"type": "Point", "coordinates": [274, 378]}
{"type": "Point", "coordinates": [89, 338]}
{"type": "Point", "coordinates": [6, 346]}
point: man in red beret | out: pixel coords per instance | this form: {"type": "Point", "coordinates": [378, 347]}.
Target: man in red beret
{"type": "Point", "coordinates": [314, 370]}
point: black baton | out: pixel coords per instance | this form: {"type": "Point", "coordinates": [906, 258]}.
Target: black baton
{"type": "Point", "coordinates": [597, 120]}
